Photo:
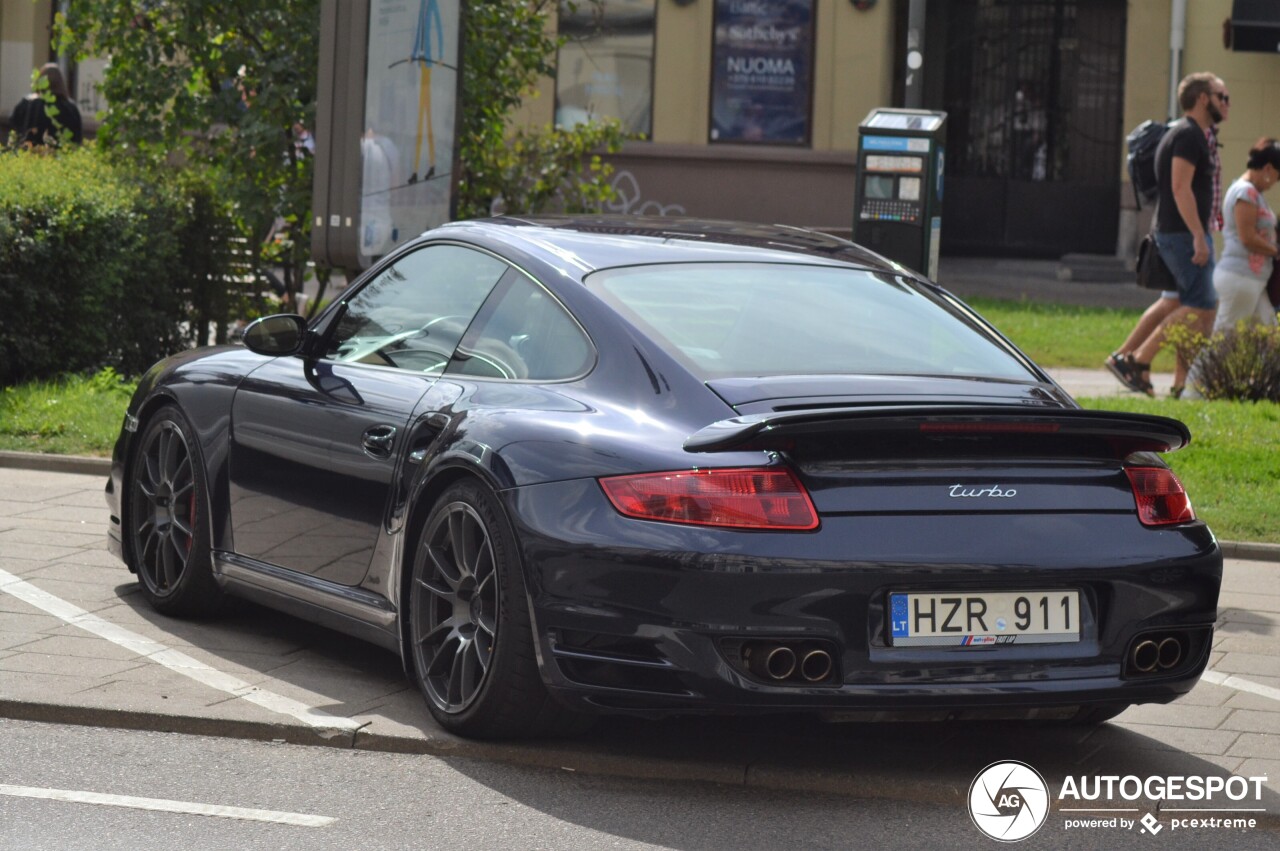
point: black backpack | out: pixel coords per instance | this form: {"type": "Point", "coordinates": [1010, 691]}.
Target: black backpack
{"type": "Point", "coordinates": [1142, 143]}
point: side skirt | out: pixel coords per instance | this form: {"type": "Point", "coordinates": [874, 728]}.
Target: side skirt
{"type": "Point", "coordinates": [353, 611]}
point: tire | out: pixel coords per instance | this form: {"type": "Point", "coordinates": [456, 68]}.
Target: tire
{"type": "Point", "coordinates": [471, 640]}
{"type": "Point", "coordinates": [168, 519]}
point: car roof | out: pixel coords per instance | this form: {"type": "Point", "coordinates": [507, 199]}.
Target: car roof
{"type": "Point", "coordinates": [594, 242]}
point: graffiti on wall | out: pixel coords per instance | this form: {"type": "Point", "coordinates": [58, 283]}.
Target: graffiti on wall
{"type": "Point", "coordinates": [629, 201]}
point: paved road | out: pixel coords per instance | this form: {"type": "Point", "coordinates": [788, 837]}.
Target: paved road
{"type": "Point", "coordinates": [69, 788]}
{"type": "Point", "coordinates": [78, 644]}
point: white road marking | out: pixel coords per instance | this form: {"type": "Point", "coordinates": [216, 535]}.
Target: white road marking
{"type": "Point", "coordinates": [1241, 684]}
{"type": "Point", "coordinates": [174, 660]}
{"type": "Point", "coordinates": [164, 806]}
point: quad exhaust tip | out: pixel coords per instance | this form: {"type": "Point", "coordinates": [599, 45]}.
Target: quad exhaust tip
{"type": "Point", "coordinates": [1158, 653]}
{"type": "Point", "coordinates": [789, 662]}
{"type": "Point", "coordinates": [816, 666]}
{"type": "Point", "coordinates": [776, 662]}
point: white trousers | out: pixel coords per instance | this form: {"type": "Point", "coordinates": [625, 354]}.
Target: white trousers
{"type": "Point", "coordinates": [1240, 297]}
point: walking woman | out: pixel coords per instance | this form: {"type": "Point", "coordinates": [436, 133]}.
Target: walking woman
{"type": "Point", "coordinates": [1248, 242]}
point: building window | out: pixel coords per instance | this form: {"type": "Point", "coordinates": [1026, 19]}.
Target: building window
{"type": "Point", "coordinates": [605, 69]}
{"type": "Point", "coordinates": [762, 72]}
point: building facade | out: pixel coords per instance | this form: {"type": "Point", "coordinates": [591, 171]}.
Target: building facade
{"type": "Point", "coordinates": [1039, 94]}
{"type": "Point", "coordinates": [749, 109]}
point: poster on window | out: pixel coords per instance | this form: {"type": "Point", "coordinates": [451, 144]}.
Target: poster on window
{"type": "Point", "coordinates": [762, 77]}
{"type": "Point", "coordinates": [407, 141]}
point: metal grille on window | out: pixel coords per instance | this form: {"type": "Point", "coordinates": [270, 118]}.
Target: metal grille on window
{"type": "Point", "coordinates": [1036, 89]}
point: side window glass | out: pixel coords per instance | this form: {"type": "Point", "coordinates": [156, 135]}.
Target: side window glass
{"type": "Point", "coordinates": [414, 313]}
{"type": "Point", "coordinates": [523, 333]}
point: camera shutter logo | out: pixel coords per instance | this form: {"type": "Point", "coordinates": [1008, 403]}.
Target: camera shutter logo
{"type": "Point", "coordinates": [1008, 801]}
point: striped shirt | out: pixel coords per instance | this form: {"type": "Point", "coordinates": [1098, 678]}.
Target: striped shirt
{"type": "Point", "coordinates": [1215, 209]}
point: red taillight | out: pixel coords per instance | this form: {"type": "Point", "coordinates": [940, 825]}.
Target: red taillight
{"type": "Point", "coordinates": [1160, 496]}
{"type": "Point", "coordinates": [736, 498]}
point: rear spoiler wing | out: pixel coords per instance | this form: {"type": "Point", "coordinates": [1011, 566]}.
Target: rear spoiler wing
{"type": "Point", "coordinates": [1125, 433]}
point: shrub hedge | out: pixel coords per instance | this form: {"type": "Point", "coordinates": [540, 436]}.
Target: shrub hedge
{"type": "Point", "coordinates": [1241, 364]}
{"type": "Point", "coordinates": [91, 265]}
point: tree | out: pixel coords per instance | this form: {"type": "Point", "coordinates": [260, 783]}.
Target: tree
{"type": "Point", "coordinates": [223, 87]}
{"type": "Point", "coordinates": [507, 49]}
{"type": "Point", "coordinates": [226, 85]}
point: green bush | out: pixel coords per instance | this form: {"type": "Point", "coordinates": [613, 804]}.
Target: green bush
{"type": "Point", "coordinates": [91, 265]}
{"type": "Point", "coordinates": [1240, 364]}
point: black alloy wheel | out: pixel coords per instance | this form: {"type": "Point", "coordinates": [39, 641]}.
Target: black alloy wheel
{"type": "Point", "coordinates": [470, 636]}
{"type": "Point", "coordinates": [168, 519]}
{"type": "Point", "coordinates": [457, 607]}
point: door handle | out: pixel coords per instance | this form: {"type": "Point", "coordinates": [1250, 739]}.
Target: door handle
{"type": "Point", "coordinates": [379, 440]}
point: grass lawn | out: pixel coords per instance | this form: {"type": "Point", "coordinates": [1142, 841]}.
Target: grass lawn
{"type": "Point", "coordinates": [1064, 335]}
{"type": "Point", "coordinates": [1232, 467]}
{"type": "Point", "coordinates": [75, 415]}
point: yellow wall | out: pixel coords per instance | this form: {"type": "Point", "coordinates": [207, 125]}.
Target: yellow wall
{"type": "Point", "coordinates": [682, 72]}
{"type": "Point", "coordinates": [1253, 78]}
{"type": "Point", "coordinates": [854, 70]}
{"type": "Point", "coordinates": [24, 40]}
{"type": "Point", "coordinates": [1146, 64]}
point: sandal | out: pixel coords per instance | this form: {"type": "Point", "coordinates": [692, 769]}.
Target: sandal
{"type": "Point", "coordinates": [1129, 372]}
{"type": "Point", "coordinates": [1175, 392]}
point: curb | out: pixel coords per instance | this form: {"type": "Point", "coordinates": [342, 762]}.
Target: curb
{"type": "Point", "coordinates": [55, 463]}
{"type": "Point", "coordinates": [85, 465]}
{"type": "Point", "coordinates": [564, 755]}
{"type": "Point", "coordinates": [1250, 550]}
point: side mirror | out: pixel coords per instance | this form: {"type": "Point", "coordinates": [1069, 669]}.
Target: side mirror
{"type": "Point", "coordinates": [276, 336]}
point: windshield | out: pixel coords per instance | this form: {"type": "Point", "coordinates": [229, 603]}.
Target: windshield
{"type": "Point", "coordinates": [729, 320]}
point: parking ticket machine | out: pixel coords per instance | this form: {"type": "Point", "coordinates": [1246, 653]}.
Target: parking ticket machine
{"type": "Point", "coordinates": [898, 208]}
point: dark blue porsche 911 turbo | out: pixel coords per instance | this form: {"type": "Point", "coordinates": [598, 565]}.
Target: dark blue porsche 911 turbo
{"type": "Point", "coordinates": [667, 466]}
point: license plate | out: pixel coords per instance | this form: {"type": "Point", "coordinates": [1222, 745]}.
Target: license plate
{"type": "Point", "coordinates": [982, 618]}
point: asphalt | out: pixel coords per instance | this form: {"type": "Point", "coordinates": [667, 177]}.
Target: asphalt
{"type": "Point", "coordinates": [78, 644]}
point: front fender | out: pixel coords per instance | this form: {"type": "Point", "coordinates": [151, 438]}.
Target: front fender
{"type": "Point", "coordinates": [201, 382]}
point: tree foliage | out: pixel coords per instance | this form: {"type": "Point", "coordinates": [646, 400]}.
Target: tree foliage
{"type": "Point", "coordinates": [94, 265]}
{"type": "Point", "coordinates": [219, 86]}
{"type": "Point", "coordinates": [222, 85]}
{"type": "Point", "coordinates": [508, 48]}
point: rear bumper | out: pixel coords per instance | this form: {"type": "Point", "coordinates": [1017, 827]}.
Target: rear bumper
{"type": "Point", "coordinates": [651, 618]}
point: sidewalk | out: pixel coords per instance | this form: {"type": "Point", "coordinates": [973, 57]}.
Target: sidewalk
{"type": "Point", "coordinates": [1099, 382]}
{"type": "Point", "coordinates": [79, 645]}
{"type": "Point", "coordinates": [1035, 280]}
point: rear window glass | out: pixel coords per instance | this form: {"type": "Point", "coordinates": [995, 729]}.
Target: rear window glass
{"type": "Point", "coordinates": [729, 320]}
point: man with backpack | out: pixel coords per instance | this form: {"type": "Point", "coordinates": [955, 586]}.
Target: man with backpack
{"type": "Point", "coordinates": [1189, 175]}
